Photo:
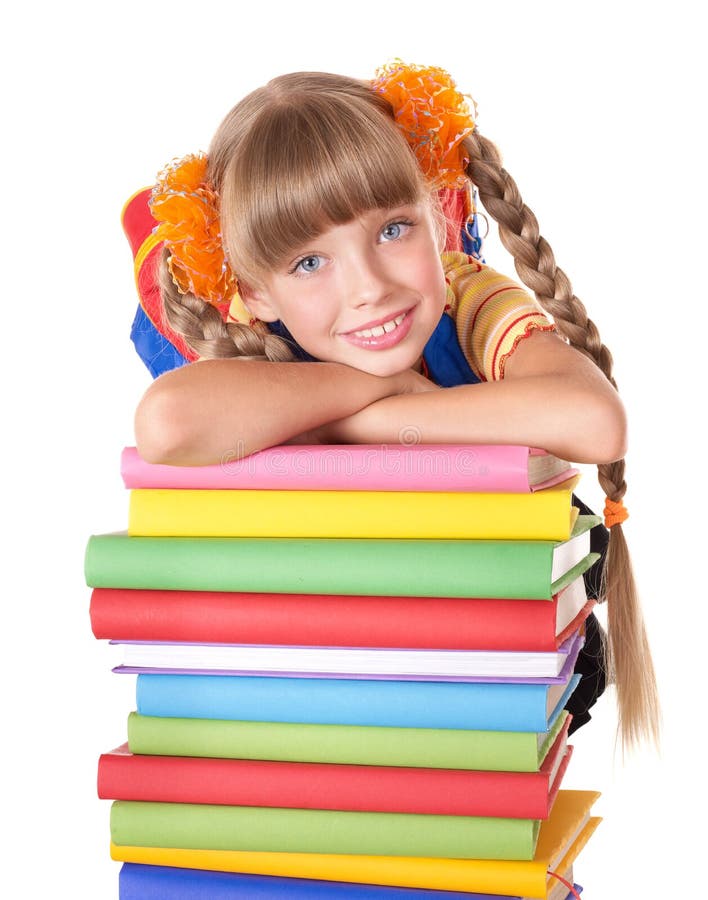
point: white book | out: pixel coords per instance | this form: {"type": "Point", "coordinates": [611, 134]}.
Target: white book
{"type": "Point", "coordinates": [342, 661]}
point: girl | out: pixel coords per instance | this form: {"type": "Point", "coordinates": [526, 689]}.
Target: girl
{"type": "Point", "coordinates": [313, 235]}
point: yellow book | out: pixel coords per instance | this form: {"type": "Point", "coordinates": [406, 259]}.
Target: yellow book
{"type": "Point", "coordinates": [546, 515]}
{"type": "Point", "coordinates": [563, 835]}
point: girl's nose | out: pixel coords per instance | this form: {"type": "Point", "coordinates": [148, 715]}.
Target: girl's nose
{"type": "Point", "coordinates": [368, 283]}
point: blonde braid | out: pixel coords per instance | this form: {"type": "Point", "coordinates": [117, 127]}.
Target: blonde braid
{"type": "Point", "coordinates": [628, 657]}
{"type": "Point", "coordinates": [202, 327]}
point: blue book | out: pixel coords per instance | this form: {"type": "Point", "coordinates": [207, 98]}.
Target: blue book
{"type": "Point", "coordinates": [140, 882]}
{"type": "Point", "coordinates": [486, 706]}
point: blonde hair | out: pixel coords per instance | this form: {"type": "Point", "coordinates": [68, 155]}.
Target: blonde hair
{"type": "Point", "coordinates": [310, 150]}
{"type": "Point", "coordinates": [627, 657]}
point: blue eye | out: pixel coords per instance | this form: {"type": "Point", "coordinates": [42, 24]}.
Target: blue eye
{"type": "Point", "coordinates": [394, 230]}
{"type": "Point", "coordinates": [308, 264]}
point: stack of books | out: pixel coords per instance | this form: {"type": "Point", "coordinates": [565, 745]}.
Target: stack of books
{"type": "Point", "coordinates": [352, 663]}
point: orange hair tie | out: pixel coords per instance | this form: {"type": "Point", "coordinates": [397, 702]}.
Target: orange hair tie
{"type": "Point", "coordinates": [187, 210]}
{"type": "Point", "coordinates": [615, 512]}
{"type": "Point", "coordinates": [433, 115]}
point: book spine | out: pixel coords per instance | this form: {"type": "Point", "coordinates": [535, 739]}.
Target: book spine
{"type": "Point", "coordinates": [238, 782]}
{"type": "Point", "coordinates": [509, 569]}
{"type": "Point", "coordinates": [506, 878]}
{"type": "Point", "coordinates": [545, 515]}
{"type": "Point", "coordinates": [464, 468]}
{"type": "Point", "coordinates": [273, 829]}
{"type": "Point", "coordinates": [338, 701]}
{"type": "Point", "coordinates": [145, 882]}
{"type": "Point", "coordinates": [357, 745]}
{"type": "Point", "coordinates": [324, 620]}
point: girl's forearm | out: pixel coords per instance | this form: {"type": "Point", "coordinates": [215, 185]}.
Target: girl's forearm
{"type": "Point", "coordinates": [565, 416]}
{"type": "Point", "coordinates": [216, 409]}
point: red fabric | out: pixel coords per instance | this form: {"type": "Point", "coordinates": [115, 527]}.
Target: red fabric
{"type": "Point", "coordinates": [137, 220]}
{"type": "Point", "coordinates": [454, 206]}
{"type": "Point", "coordinates": [138, 224]}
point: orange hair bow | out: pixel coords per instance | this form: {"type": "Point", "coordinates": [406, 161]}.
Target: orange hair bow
{"type": "Point", "coordinates": [187, 210]}
{"type": "Point", "coordinates": [433, 115]}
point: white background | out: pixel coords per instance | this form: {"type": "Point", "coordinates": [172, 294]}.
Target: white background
{"type": "Point", "coordinates": [599, 114]}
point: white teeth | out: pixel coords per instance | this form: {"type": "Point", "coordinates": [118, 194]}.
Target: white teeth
{"type": "Point", "coordinates": [381, 329]}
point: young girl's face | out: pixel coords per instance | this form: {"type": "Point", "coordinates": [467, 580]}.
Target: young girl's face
{"type": "Point", "coordinates": [368, 293]}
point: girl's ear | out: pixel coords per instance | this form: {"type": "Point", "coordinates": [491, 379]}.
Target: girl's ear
{"type": "Point", "coordinates": [258, 303]}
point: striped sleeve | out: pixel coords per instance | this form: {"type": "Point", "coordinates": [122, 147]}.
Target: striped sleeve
{"type": "Point", "coordinates": [492, 314]}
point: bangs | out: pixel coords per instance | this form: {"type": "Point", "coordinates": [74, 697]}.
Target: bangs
{"type": "Point", "coordinates": [317, 161]}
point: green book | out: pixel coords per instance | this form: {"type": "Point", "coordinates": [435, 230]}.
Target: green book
{"type": "Point", "coordinates": [204, 827]}
{"type": "Point", "coordinates": [404, 568]}
{"type": "Point", "coordinates": [428, 748]}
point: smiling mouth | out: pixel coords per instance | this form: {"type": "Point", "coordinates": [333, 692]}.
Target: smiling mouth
{"type": "Point", "coordinates": [380, 329]}
{"type": "Point", "coordinates": [384, 336]}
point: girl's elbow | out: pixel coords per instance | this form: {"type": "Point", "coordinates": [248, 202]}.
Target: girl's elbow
{"type": "Point", "coordinates": [158, 434]}
{"type": "Point", "coordinates": [611, 430]}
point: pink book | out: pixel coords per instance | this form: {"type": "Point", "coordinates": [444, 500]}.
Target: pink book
{"type": "Point", "coordinates": [481, 468]}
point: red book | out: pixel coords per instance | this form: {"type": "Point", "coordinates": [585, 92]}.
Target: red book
{"type": "Point", "coordinates": [326, 620]}
{"type": "Point", "coordinates": [123, 775]}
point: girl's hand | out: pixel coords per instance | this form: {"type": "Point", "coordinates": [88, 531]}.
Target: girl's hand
{"type": "Point", "coordinates": [412, 382]}
{"type": "Point", "coordinates": [353, 429]}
